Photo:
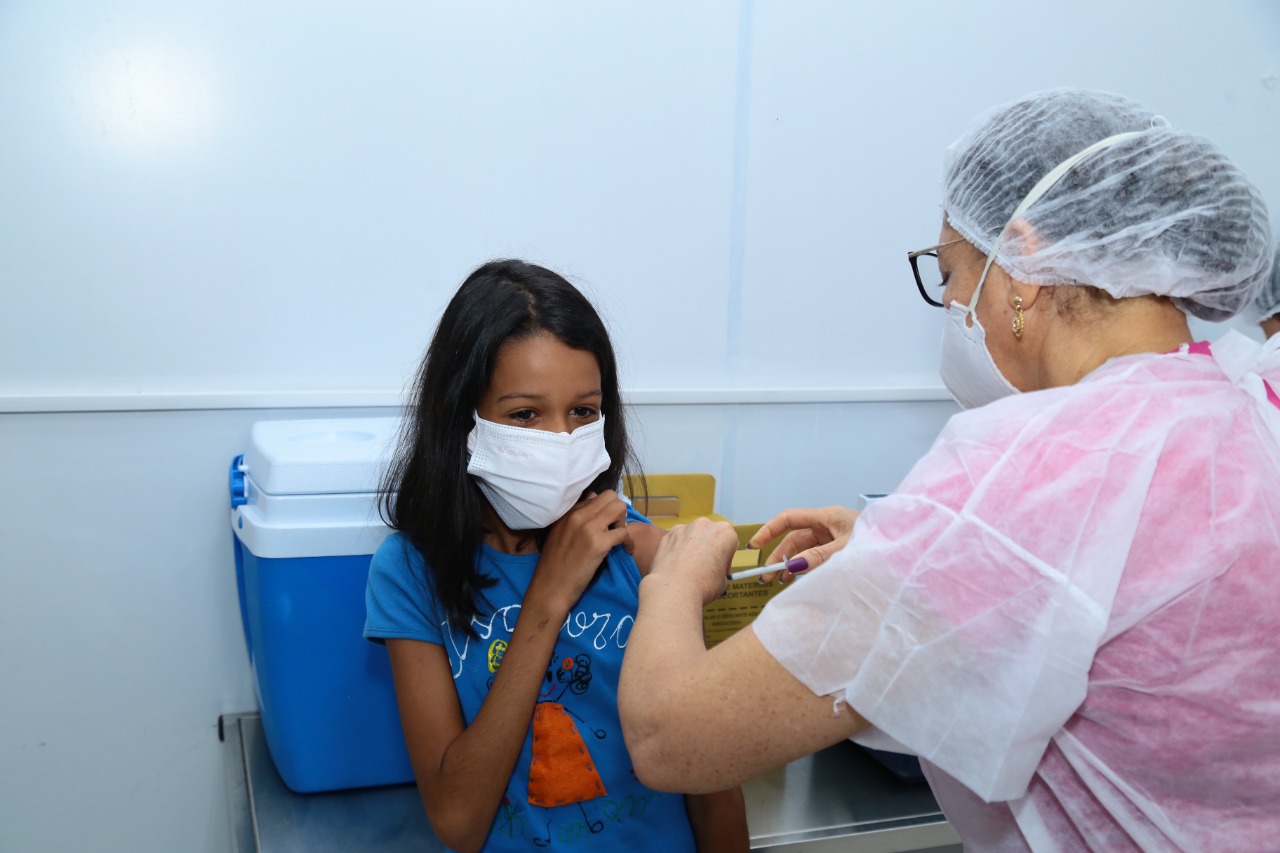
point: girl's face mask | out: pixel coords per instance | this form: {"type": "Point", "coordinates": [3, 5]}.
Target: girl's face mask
{"type": "Point", "coordinates": [532, 477]}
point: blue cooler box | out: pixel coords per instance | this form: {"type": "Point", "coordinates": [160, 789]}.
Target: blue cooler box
{"type": "Point", "coordinates": [305, 518]}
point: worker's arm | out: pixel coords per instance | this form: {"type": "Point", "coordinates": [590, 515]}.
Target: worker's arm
{"type": "Point", "coordinates": [698, 720]}
{"type": "Point", "coordinates": [719, 820]}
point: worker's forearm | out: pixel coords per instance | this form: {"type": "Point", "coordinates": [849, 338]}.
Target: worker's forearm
{"type": "Point", "coordinates": [667, 638]}
{"type": "Point", "coordinates": [692, 717]}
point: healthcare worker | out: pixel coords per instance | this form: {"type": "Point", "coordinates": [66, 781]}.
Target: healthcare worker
{"type": "Point", "coordinates": [1266, 307]}
{"type": "Point", "coordinates": [1070, 608]}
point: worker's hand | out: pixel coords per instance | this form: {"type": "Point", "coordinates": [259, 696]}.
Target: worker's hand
{"type": "Point", "coordinates": [577, 544]}
{"type": "Point", "coordinates": [813, 535]}
{"type": "Point", "coordinates": [699, 554]}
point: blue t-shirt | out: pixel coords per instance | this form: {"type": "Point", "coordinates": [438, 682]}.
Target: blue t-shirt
{"type": "Point", "coordinates": [576, 790]}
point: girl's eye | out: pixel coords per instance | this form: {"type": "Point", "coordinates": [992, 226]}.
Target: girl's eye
{"type": "Point", "coordinates": [523, 415]}
{"type": "Point", "coordinates": [582, 411]}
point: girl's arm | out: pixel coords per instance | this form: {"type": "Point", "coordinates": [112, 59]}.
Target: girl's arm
{"type": "Point", "coordinates": [719, 821]}
{"type": "Point", "coordinates": [462, 771]}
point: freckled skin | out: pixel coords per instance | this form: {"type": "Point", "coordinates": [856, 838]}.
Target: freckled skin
{"type": "Point", "coordinates": [691, 719]}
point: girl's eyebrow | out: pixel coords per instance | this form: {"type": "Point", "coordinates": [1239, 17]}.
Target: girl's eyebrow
{"type": "Point", "coordinates": [528, 395]}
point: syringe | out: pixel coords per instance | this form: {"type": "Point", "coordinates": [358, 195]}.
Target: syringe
{"type": "Point", "coordinates": [794, 565]}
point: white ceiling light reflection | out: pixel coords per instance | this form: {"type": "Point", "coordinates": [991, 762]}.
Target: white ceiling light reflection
{"type": "Point", "coordinates": [149, 101]}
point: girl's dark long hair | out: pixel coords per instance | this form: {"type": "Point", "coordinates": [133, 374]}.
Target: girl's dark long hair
{"type": "Point", "coordinates": [426, 493]}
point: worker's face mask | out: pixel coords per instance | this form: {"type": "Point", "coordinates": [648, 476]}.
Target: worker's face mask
{"type": "Point", "coordinates": [533, 477]}
{"type": "Point", "coordinates": [968, 370]}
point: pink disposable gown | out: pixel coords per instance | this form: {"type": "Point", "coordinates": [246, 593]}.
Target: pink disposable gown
{"type": "Point", "coordinates": [1070, 609]}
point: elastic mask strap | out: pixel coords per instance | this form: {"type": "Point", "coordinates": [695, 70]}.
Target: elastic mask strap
{"type": "Point", "coordinates": [1043, 186]}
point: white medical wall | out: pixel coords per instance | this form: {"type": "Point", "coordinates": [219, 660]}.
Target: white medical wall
{"type": "Point", "coordinates": [216, 213]}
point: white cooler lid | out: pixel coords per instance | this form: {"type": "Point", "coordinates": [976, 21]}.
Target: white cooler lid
{"type": "Point", "coordinates": [320, 456]}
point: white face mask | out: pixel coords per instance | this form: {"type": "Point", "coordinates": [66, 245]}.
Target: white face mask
{"type": "Point", "coordinates": [968, 370]}
{"type": "Point", "coordinates": [533, 477]}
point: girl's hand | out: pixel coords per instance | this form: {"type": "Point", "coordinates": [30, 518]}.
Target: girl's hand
{"type": "Point", "coordinates": [700, 554]}
{"type": "Point", "coordinates": [578, 543]}
{"type": "Point", "coordinates": [812, 534]}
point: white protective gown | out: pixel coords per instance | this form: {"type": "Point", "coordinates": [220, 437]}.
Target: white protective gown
{"type": "Point", "coordinates": [1070, 609]}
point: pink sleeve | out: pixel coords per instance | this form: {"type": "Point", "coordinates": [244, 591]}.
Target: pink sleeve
{"type": "Point", "coordinates": [963, 617]}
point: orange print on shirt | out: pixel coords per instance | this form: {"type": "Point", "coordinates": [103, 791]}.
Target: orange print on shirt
{"type": "Point", "coordinates": [562, 771]}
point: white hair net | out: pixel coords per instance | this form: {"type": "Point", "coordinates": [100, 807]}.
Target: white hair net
{"type": "Point", "coordinates": [1164, 212]}
{"type": "Point", "coordinates": [1267, 303]}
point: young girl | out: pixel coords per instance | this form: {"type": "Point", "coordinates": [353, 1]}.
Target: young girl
{"type": "Point", "coordinates": [508, 593]}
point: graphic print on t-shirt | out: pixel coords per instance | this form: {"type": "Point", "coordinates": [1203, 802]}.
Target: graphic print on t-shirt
{"type": "Point", "coordinates": [562, 771]}
{"type": "Point", "coordinates": [570, 731]}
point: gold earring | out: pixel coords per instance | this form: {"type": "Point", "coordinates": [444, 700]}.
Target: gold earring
{"type": "Point", "coordinates": [1018, 320]}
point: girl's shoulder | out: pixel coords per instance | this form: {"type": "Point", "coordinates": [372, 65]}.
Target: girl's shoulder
{"type": "Point", "coordinates": [400, 600]}
{"type": "Point", "coordinates": [396, 556]}
{"type": "Point", "coordinates": [645, 536]}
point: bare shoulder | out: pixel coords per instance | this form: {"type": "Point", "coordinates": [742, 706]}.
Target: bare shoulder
{"type": "Point", "coordinates": [423, 674]}
{"type": "Point", "coordinates": [645, 537]}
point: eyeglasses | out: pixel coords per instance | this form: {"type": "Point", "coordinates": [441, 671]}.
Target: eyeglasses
{"type": "Point", "coordinates": [924, 266]}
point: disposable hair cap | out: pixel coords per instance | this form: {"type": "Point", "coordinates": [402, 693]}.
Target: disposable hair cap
{"type": "Point", "coordinates": [1161, 211]}
{"type": "Point", "coordinates": [1267, 303]}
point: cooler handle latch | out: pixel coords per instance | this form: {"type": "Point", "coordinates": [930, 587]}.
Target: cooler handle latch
{"type": "Point", "coordinates": [236, 482]}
